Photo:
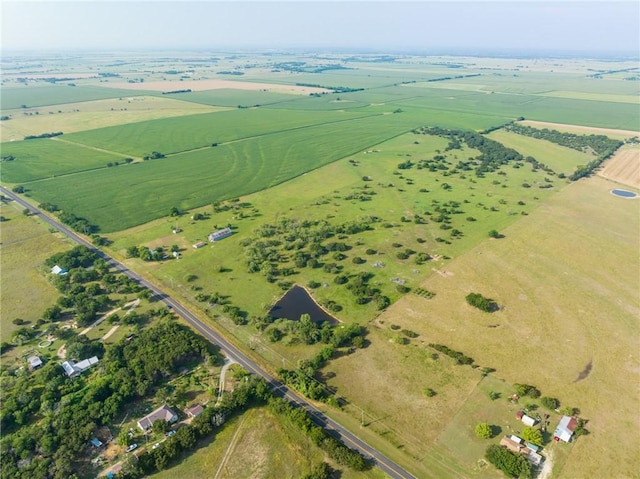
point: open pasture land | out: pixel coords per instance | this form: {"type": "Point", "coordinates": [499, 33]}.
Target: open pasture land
{"type": "Point", "coordinates": [258, 445]}
{"type": "Point", "coordinates": [227, 97]}
{"type": "Point", "coordinates": [24, 290]}
{"type": "Point", "coordinates": [584, 130]}
{"type": "Point", "coordinates": [173, 135]}
{"type": "Point", "coordinates": [559, 158]}
{"type": "Point", "coordinates": [204, 85]}
{"type": "Point", "coordinates": [33, 96]}
{"type": "Point", "coordinates": [48, 158]}
{"type": "Point", "coordinates": [624, 167]}
{"type": "Point", "coordinates": [125, 196]}
{"type": "Point", "coordinates": [566, 280]}
{"type": "Point", "coordinates": [90, 115]}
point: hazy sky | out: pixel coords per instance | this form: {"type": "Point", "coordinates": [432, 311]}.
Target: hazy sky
{"type": "Point", "coordinates": [473, 26]}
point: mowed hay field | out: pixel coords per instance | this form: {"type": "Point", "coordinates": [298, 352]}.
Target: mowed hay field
{"type": "Point", "coordinates": [24, 290]}
{"type": "Point", "coordinates": [257, 445]}
{"type": "Point", "coordinates": [89, 115]}
{"type": "Point", "coordinates": [566, 278]}
{"type": "Point", "coordinates": [624, 167]}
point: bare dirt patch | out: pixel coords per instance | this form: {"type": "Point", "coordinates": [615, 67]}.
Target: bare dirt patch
{"type": "Point", "coordinates": [585, 372]}
{"type": "Point", "coordinates": [201, 85]}
{"type": "Point", "coordinates": [624, 167]}
{"type": "Point", "coordinates": [582, 129]}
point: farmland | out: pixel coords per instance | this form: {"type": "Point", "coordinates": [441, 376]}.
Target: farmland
{"type": "Point", "coordinates": [376, 193]}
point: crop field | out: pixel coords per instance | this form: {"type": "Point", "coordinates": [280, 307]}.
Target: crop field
{"type": "Point", "coordinates": [624, 167]}
{"type": "Point", "coordinates": [39, 96]}
{"type": "Point", "coordinates": [24, 246]}
{"type": "Point", "coordinates": [90, 115]}
{"type": "Point", "coordinates": [173, 135]}
{"type": "Point", "coordinates": [584, 130]}
{"type": "Point", "coordinates": [48, 158]}
{"type": "Point", "coordinates": [121, 197]}
{"type": "Point", "coordinates": [228, 97]}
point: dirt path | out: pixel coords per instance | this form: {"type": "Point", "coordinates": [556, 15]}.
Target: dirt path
{"type": "Point", "coordinates": [232, 445]}
{"type": "Point", "coordinates": [547, 467]}
{"type": "Point", "coordinates": [110, 332]}
{"type": "Point", "coordinates": [227, 363]}
{"type": "Point", "coordinates": [131, 305]}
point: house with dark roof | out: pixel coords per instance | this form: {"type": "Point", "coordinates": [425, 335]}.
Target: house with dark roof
{"type": "Point", "coordinates": [565, 429]}
{"type": "Point", "coordinates": [194, 411]}
{"type": "Point", "coordinates": [164, 412]}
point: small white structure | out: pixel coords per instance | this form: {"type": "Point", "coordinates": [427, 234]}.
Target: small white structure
{"type": "Point", "coordinates": [528, 420]}
{"type": "Point", "coordinates": [163, 412]}
{"type": "Point", "coordinates": [34, 362]}
{"type": "Point", "coordinates": [72, 369]}
{"type": "Point", "coordinates": [57, 270]}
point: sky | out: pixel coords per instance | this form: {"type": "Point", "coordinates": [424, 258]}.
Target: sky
{"type": "Point", "coordinates": [587, 27]}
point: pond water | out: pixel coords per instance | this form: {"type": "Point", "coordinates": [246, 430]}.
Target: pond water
{"type": "Point", "coordinates": [297, 302]}
{"type": "Point", "coordinates": [624, 193]}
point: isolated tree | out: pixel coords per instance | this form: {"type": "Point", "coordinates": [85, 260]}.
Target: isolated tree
{"type": "Point", "coordinates": [532, 435]}
{"type": "Point", "coordinates": [494, 234]}
{"type": "Point", "coordinates": [550, 403]}
{"type": "Point", "coordinates": [483, 430]}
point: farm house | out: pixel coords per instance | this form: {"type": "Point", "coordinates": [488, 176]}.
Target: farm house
{"type": "Point", "coordinates": [220, 234]}
{"type": "Point", "coordinates": [163, 412]}
{"type": "Point", "coordinates": [565, 429]}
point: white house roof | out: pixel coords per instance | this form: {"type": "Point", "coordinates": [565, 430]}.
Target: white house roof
{"type": "Point", "coordinates": [58, 270]}
{"type": "Point", "coordinates": [34, 361]}
{"type": "Point", "coordinates": [565, 429]}
{"type": "Point", "coordinates": [72, 369]}
{"type": "Point", "coordinates": [528, 420]}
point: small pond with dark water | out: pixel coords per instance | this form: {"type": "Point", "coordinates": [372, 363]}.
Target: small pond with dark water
{"type": "Point", "coordinates": [624, 193]}
{"type": "Point", "coordinates": [297, 302]}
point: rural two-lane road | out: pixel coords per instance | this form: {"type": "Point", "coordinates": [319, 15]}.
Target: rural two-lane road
{"type": "Point", "coordinates": [334, 428]}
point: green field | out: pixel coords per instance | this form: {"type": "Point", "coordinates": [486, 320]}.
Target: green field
{"type": "Point", "coordinates": [174, 135]}
{"type": "Point", "coordinates": [122, 197]}
{"type": "Point", "coordinates": [233, 98]}
{"type": "Point", "coordinates": [25, 245]}
{"type": "Point", "coordinates": [48, 158]}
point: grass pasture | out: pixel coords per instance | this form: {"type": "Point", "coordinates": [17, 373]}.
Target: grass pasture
{"type": "Point", "coordinates": [89, 115]}
{"type": "Point", "coordinates": [227, 97]}
{"type": "Point", "coordinates": [48, 158]}
{"type": "Point", "coordinates": [25, 292]}
{"type": "Point", "coordinates": [554, 275]}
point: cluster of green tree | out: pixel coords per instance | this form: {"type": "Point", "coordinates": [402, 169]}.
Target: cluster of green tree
{"type": "Point", "coordinates": [320, 471]}
{"type": "Point", "coordinates": [117, 163]}
{"type": "Point", "coordinates": [424, 293]}
{"type": "Point", "coordinates": [147, 254]}
{"type": "Point", "coordinates": [5, 118]}
{"type": "Point", "coordinates": [8, 158]}
{"type": "Point", "coordinates": [230, 72]}
{"type": "Point", "coordinates": [523, 390]}
{"type": "Point", "coordinates": [334, 89]}
{"type": "Point", "coordinates": [43, 135]}
{"type": "Point", "coordinates": [336, 450]}
{"type": "Point", "coordinates": [77, 257]}
{"type": "Point", "coordinates": [155, 155]}
{"type": "Point", "coordinates": [81, 225]}
{"type": "Point", "coordinates": [482, 303]}
{"type": "Point", "coordinates": [303, 67]}
{"type": "Point", "coordinates": [603, 146]}
{"type": "Point", "coordinates": [454, 77]}
{"type": "Point", "coordinates": [188, 90]}
{"type": "Point", "coordinates": [457, 355]}
{"type": "Point", "coordinates": [492, 156]}
{"type": "Point", "coordinates": [51, 418]}
{"type": "Point", "coordinates": [511, 463]}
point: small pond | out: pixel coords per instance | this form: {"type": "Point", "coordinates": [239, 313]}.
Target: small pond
{"type": "Point", "coordinates": [624, 193]}
{"type": "Point", "coordinates": [297, 302]}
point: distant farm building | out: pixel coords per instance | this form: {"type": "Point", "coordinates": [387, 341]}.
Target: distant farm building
{"type": "Point", "coordinates": [34, 362]}
{"type": "Point", "coordinates": [58, 270]}
{"type": "Point", "coordinates": [528, 420]}
{"type": "Point", "coordinates": [199, 244]}
{"type": "Point", "coordinates": [164, 412]}
{"type": "Point", "coordinates": [565, 429]}
{"type": "Point", "coordinates": [220, 234]}
{"type": "Point", "coordinates": [72, 369]}
{"type": "Point", "coordinates": [194, 411]}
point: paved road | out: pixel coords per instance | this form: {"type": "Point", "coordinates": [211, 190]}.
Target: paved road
{"type": "Point", "coordinates": [334, 428]}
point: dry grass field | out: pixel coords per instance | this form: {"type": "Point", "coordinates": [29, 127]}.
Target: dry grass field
{"type": "Point", "coordinates": [566, 278]}
{"type": "Point", "coordinates": [583, 130]}
{"type": "Point", "coordinates": [624, 167]}
{"type": "Point", "coordinates": [200, 85]}
{"type": "Point", "coordinates": [24, 292]}
{"type": "Point", "coordinates": [89, 115]}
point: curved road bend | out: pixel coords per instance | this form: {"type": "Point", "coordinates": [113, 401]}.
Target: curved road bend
{"type": "Point", "coordinates": [334, 428]}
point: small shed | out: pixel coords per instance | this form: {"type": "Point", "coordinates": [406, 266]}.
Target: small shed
{"type": "Point", "coordinates": [194, 411]}
{"type": "Point", "coordinates": [199, 244]}
{"type": "Point", "coordinates": [57, 270]}
{"type": "Point", "coordinates": [220, 234]}
{"type": "Point", "coordinates": [34, 362]}
{"type": "Point", "coordinates": [96, 442]}
{"type": "Point", "coordinates": [527, 420]}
